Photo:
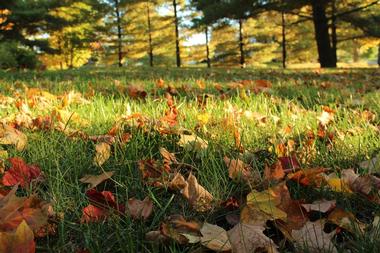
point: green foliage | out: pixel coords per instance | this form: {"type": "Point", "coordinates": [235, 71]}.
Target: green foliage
{"type": "Point", "coordinates": [12, 55]}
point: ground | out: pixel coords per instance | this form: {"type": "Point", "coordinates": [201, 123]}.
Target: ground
{"type": "Point", "coordinates": [313, 118]}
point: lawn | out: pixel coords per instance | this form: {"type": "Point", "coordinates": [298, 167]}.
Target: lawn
{"type": "Point", "coordinates": [247, 150]}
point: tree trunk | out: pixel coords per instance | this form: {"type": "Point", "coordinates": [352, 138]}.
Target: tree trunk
{"type": "Point", "coordinates": [283, 42]}
{"type": "Point", "coordinates": [71, 57]}
{"type": "Point", "coordinates": [177, 49]}
{"type": "Point", "coordinates": [321, 30]}
{"type": "Point", "coordinates": [241, 44]}
{"type": "Point", "coordinates": [334, 37]}
{"type": "Point", "coordinates": [150, 50]}
{"type": "Point", "coordinates": [119, 35]}
{"type": "Point", "coordinates": [378, 56]}
{"type": "Point", "coordinates": [207, 49]}
{"type": "Point", "coordinates": [355, 52]}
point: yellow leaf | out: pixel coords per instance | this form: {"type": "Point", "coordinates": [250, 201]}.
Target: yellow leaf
{"type": "Point", "coordinates": [103, 153]}
{"type": "Point", "coordinates": [266, 201]}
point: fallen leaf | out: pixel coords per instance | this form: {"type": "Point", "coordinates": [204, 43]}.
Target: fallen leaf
{"type": "Point", "coordinates": [192, 142]}
{"type": "Point", "coordinates": [322, 206]}
{"type": "Point", "coordinates": [20, 241]}
{"type": "Point", "coordinates": [214, 238]}
{"type": "Point", "coordinates": [94, 180]}
{"type": "Point", "coordinates": [266, 201]}
{"type": "Point", "coordinates": [180, 230]}
{"type": "Point", "coordinates": [313, 238]}
{"type": "Point", "coordinates": [140, 208]}
{"type": "Point", "coordinates": [93, 213]}
{"type": "Point", "coordinates": [20, 173]}
{"type": "Point", "coordinates": [346, 220]}
{"type": "Point", "coordinates": [199, 198]}
{"type": "Point", "coordinates": [12, 136]}
{"type": "Point", "coordinates": [103, 153]}
{"type": "Point", "coordinates": [274, 172]}
{"type": "Point", "coordinates": [238, 170]}
{"type": "Point", "coordinates": [246, 238]}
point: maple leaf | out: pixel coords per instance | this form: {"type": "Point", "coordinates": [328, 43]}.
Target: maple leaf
{"type": "Point", "coordinates": [140, 208]}
{"type": "Point", "coordinates": [22, 240]}
{"type": "Point", "coordinates": [94, 180]}
{"type": "Point", "coordinates": [13, 210]}
{"type": "Point", "coordinates": [246, 238]}
{"type": "Point", "coordinates": [214, 237]}
{"type": "Point", "coordinates": [238, 170]}
{"type": "Point", "coordinates": [313, 238]}
{"type": "Point", "coordinates": [103, 153]}
{"type": "Point", "coordinates": [12, 136]}
{"type": "Point", "coordinates": [308, 177]}
{"type": "Point", "coordinates": [20, 173]}
{"type": "Point", "coordinates": [266, 201]}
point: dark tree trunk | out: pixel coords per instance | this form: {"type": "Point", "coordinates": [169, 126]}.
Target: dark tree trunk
{"type": "Point", "coordinates": [355, 52]}
{"type": "Point", "coordinates": [207, 49]}
{"type": "Point", "coordinates": [241, 44]}
{"type": "Point", "coordinates": [150, 50]}
{"type": "Point", "coordinates": [321, 30]}
{"type": "Point", "coordinates": [334, 37]}
{"type": "Point", "coordinates": [119, 34]}
{"type": "Point", "coordinates": [177, 49]}
{"type": "Point", "coordinates": [378, 56]}
{"type": "Point", "coordinates": [71, 65]}
{"type": "Point", "coordinates": [283, 42]}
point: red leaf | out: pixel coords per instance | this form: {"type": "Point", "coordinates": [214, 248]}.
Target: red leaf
{"type": "Point", "coordinates": [289, 162]}
{"type": "Point", "coordinates": [92, 213]}
{"type": "Point", "coordinates": [20, 173]}
{"type": "Point", "coordinates": [105, 200]}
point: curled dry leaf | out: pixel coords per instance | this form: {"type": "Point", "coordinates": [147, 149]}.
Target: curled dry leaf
{"type": "Point", "coordinates": [313, 238]}
{"type": "Point", "coordinates": [322, 206]}
{"type": "Point", "coordinates": [180, 230]}
{"type": "Point", "coordinates": [140, 208]}
{"type": "Point", "coordinates": [21, 240]}
{"type": "Point", "coordinates": [94, 180]}
{"type": "Point", "coordinates": [199, 198]}
{"type": "Point", "coordinates": [238, 170]}
{"type": "Point", "coordinates": [12, 136]}
{"type": "Point", "coordinates": [246, 238]}
{"type": "Point", "coordinates": [214, 238]}
{"type": "Point", "coordinates": [103, 153]}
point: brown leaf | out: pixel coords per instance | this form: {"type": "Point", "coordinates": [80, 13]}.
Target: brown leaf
{"type": "Point", "coordinates": [180, 230]}
{"type": "Point", "coordinates": [313, 238]}
{"type": "Point", "coordinates": [322, 206]}
{"type": "Point", "coordinates": [238, 170]}
{"type": "Point", "coordinates": [95, 180]}
{"type": "Point", "coordinates": [103, 153]}
{"type": "Point", "coordinates": [214, 237]}
{"type": "Point", "coordinates": [245, 238]}
{"type": "Point", "coordinates": [199, 198]}
{"type": "Point", "coordinates": [274, 172]}
{"type": "Point", "coordinates": [12, 136]}
{"type": "Point", "coordinates": [140, 209]}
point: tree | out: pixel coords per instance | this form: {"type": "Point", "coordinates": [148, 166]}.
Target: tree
{"type": "Point", "coordinates": [26, 20]}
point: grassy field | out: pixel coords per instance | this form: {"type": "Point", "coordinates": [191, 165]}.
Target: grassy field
{"type": "Point", "coordinates": [326, 119]}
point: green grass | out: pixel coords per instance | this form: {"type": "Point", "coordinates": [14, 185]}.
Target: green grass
{"type": "Point", "coordinates": [296, 98]}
